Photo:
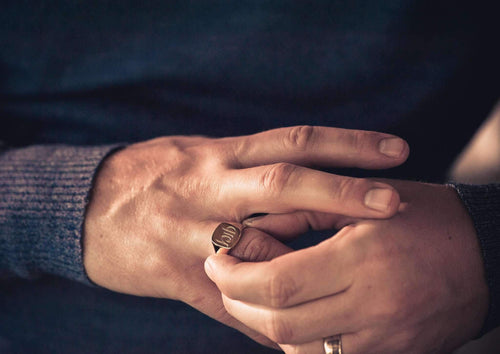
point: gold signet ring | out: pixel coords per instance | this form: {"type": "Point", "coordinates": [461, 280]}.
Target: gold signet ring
{"type": "Point", "coordinates": [225, 236]}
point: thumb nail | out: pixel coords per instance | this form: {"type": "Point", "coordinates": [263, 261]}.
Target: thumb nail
{"type": "Point", "coordinates": [378, 199]}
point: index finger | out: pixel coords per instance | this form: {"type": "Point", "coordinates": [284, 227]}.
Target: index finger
{"type": "Point", "coordinates": [321, 146]}
{"type": "Point", "coordinates": [285, 281]}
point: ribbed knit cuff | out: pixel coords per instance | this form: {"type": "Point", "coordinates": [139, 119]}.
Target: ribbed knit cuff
{"type": "Point", "coordinates": [43, 195]}
{"type": "Point", "coordinates": [483, 204]}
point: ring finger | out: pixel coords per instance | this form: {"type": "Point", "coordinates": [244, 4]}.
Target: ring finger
{"type": "Point", "coordinates": [351, 343]}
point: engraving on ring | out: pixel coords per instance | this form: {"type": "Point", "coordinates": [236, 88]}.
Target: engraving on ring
{"type": "Point", "coordinates": [226, 236]}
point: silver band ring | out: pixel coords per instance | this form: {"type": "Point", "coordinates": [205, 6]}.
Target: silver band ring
{"type": "Point", "coordinates": [333, 344]}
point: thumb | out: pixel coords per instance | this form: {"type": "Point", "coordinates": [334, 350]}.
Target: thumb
{"type": "Point", "coordinates": [254, 246]}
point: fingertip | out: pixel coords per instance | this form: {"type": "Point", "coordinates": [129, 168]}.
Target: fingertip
{"type": "Point", "coordinates": [393, 147]}
{"type": "Point", "coordinates": [405, 152]}
{"type": "Point", "coordinates": [219, 262]}
{"type": "Point", "coordinates": [210, 266]}
{"type": "Point", "coordinates": [394, 203]}
{"type": "Point", "coordinates": [383, 199]}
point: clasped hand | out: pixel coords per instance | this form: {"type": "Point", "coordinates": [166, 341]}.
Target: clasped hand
{"type": "Point", "coordinates": [413, 283]}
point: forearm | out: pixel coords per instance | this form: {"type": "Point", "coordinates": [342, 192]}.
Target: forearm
{"type": "Point", "coordinates": [43, 195]}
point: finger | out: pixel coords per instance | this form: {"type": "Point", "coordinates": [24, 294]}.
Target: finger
{"type": "Point", "coordinates": [288, 280]}
{"type": "Point", "coordinates": [352, 343]}
{"type": "Point", "coordinates": [281, 226]}
{"type": "Point", "coordinates": [284, 188]}
{"type": "Point", "coordinates": [299, 324]}
{"type": "Point", "coordinates": [291, 225]}
{"type": "Point", "coordinates": [257, 246]}
{"type": "Point", "coordinates": [323, 146]}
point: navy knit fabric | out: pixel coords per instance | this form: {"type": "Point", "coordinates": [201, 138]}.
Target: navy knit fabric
{"type": "Point", "coordinates": [483, 204]}
{"type": "Point", "coordinates": [79, 77]}
{"type": "Point", "coordinates": [43, 194]}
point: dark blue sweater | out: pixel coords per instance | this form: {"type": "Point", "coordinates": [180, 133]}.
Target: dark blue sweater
{"type": "Point", "coordinates": [92, 74]}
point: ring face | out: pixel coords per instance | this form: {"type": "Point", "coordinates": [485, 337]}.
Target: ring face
{"type": "Point", "coordinates": [226, 236]}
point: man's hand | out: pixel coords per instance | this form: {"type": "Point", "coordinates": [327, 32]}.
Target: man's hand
{"type": "Point", "coordinates": [410, 284]}
{"type": "Point", "coordinates": [155, 204]}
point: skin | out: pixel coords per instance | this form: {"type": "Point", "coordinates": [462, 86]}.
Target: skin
{"type": "Point", "coordinates": [155, 204]}
{"type": "Point", "coordinates": [413, 283]}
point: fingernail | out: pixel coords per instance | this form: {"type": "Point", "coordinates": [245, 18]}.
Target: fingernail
{"type": "Point", "coordinates": [392, 147]}
{"type": "Point", "coordinates": [378, 199]}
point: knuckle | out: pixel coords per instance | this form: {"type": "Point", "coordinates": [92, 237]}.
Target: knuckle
{"type": "Point", "coordinates": [277, 329]}
{"type": "Point", "coordinates": [344, 188]}
{"type": "Point", "coordinates": [276, 177]}
{"type": "Point", "coordinates": [358, 247]}
{"type": "Point", "coordinates": [358, 142]}
{"type": "Point", "coordinates": [365, 238]}
{"type": "Point", "coordinates": [300, 137]}
{"type": "Point", "coordinates": [281, 289]}
{"type": "Point", "coordinates": [211, 154]}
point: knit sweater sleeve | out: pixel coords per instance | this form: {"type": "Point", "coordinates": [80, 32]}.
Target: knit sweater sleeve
{"type": "Point", "coordinates": [483, 204]}
{"type": "Point", "coordinates": [43, 194]}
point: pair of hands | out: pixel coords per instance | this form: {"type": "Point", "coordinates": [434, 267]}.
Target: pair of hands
{"type": "Point", "coordinates": [155, 205]}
